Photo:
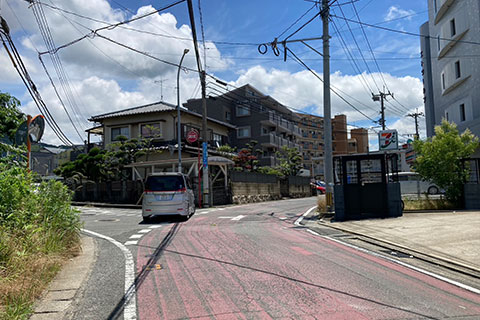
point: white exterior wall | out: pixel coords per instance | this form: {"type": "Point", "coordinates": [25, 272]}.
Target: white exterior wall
{"type": "Point", "coordinates": [466, 89]}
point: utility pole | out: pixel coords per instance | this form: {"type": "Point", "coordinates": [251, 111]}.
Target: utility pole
{"type": "Point", "coordinates": [381, 97]}
{"type": "Point", "coordinates": [415, 116]}
{"type": "Point", "coordinates": [327, 114]}
{"type": "Point", "coordinates": [202, 74]}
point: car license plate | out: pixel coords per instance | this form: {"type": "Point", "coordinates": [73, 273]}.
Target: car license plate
{"type": "Point", "coordinates": [163, 197]}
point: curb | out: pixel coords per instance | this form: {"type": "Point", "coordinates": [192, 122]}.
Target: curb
{"type": "Point", "coordinates": [107, 205]}
{"type": "Point", "coordinates": [65, 287]}
{"type": "Point", "coordinates": [443, 261]}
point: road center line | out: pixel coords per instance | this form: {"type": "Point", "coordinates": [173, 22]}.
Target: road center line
{"type": "Point", "coordinates": [237, 218]}
{"type": "Point", "coordinates": [129, 306]}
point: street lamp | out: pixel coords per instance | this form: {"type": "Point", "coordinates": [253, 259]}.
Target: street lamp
{"type": "Point", "coordinates": [179, 127]}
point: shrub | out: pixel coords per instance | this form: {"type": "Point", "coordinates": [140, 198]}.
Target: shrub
{"type": "Point", "coordinates": [38, 229]}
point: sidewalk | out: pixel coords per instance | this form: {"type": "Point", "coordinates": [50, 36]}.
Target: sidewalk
{"type": "Point", "coordinates": [65, 289]}
{"type": "Point", "coordinates": [453, 237]}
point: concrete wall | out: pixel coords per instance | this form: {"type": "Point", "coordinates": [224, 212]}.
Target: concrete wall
{"type": "Point", "coordinates": [249, 192]}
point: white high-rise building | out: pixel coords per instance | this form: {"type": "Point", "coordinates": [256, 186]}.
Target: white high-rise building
{"type": "Point", "coordinates": [450, 45]}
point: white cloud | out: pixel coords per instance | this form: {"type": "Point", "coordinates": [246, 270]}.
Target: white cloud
{"type": "Point", "coordinates": [100, 57]}
{"type": "Point", "coordinates": [301, 89]}
{"type": "Point", "coordinates": [396, 12]}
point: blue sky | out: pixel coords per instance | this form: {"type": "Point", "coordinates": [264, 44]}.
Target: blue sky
{"type": "Point", "coordinates": [105, 77]}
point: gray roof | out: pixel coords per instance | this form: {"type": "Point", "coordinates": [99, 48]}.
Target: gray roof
{"type": "Point", "coordinates": [148, 108]}
{"type": "Point", "coordinates": [151, 108]}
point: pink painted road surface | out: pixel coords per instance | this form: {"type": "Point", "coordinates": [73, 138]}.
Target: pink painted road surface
{"type": "Point", "coordinates": [263, 267]}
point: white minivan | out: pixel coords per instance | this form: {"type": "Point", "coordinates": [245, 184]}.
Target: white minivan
{"type": "Point", "coordinates": [411, 183]}
{"type": "Point", "coordinates": [167, 193]}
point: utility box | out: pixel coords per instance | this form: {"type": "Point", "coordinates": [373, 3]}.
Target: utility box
{"type": "Point", "coordinates": [366, 186]}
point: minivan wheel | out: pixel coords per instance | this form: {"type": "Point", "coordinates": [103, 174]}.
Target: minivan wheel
{"type": "Point", "coordinates": [147, 219]}
{"type": "Point", "coordinates": [432, 190]}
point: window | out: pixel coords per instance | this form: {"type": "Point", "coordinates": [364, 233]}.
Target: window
{"type": "Point", "coordinates": [264, 131]}
{"type": "Point", "coordinates": [453, 30]}
{"type": "Point", "coordinates": [443, 81]}
{"type": "Point", "coordinates": [217, 138]}
{"type": "Point", "coordinates": [462, 112]}
{"type": "Point", "coordinates": [438, 43]}
{"type": "Point", "coordinates": [151, 130]}
{"type": "Point", "coordinates": [120, 131]}
{"type": "Point", "coordinates": [228, 115]}
{"type": "Point", "coordinates": [446, 115]}
{"type": "Point", "coordinates": [243, 132]}
{"type": "Point", "coordinates": [435, 5]}
{"type": "Point", "coordinates": [457, 70]}
{"type": "Point", "coordinates": [243, 111]}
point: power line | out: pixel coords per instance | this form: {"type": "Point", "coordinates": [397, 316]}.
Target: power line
{"type": "Point", "coordinates": [56, 62]}
{"type": "Point", "coordinates": [406, 32]}
{"type": "Point", "coordinates": [29, 84]}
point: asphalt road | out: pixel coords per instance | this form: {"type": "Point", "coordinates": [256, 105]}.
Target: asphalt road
{"type": "Point", "coordinates": [252, 262]}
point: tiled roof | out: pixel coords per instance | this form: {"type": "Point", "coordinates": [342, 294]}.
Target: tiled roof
{"type": "Point", "coordinates": [149, 108]}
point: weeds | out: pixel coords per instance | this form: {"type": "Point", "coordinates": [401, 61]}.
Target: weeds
{"type": "Point", "coordinates": [38, 231]}
{"type": "Point", "coordinates": [428, 204]}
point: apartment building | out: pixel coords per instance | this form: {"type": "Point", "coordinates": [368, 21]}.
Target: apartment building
{"type": "Point", "coordinates": [257, 117]}
{"type": "Point", "coordinates": [312, 140]}
{"type": "Point", "coordinates": [450, 67]}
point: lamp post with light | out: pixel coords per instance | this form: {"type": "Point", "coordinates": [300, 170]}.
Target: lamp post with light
{"type": "Point", "coordinates": [179, 126]}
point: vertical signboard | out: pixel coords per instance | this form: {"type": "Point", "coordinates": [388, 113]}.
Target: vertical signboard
{"type": "Point", "coordinates": [205, 155]}
{"type": "Point", "coordinates": [388, 140]}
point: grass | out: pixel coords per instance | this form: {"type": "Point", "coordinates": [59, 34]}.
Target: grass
{"type": "Point", "coordinates": [39, 232]}
{"type": "Point", "coordinates": [428, 204]}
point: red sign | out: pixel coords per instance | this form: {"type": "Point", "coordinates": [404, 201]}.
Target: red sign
{"type": "Point", "coordinates": [192, 136]}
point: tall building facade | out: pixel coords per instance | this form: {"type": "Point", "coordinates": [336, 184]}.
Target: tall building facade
{"type": "Point", "coordinates": [312, 140]}
{"type": "Point", "coordinates": [257, 117]}
{"type": "Point", "coordinates": [450, 68]}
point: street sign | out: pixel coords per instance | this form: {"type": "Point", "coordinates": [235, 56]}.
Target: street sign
{"type": "Point", "coordinates": [388, 140]}
{"type": "Point", "coordinates": [205, 155]}
{"type": "Point", "coordinates": [192, 136]}
{"type": "Point", "coordinates": [36, 128]}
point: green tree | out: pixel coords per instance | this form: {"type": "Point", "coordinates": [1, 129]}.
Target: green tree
{"type": "Point", "coordinates": [290, 161]}
{"type": "Point", "coordinates": [439, 159]}
{"type": "Point", "coordinates": [10, 116]}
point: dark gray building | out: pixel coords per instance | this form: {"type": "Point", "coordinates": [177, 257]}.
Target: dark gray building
{"type": "Point", "coordinates": [451, 72]}
{"type": "Point", "coordinates": [257, 117]}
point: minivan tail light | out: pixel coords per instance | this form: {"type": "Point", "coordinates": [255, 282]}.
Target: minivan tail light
{"type": "Point", "coordinates": [182, 190]}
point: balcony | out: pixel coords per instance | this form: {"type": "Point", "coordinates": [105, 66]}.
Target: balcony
{"type": "Point", "coordinates": [442, 8]}
{"type": "Point", "coordinates": [268, 119]}
{"type": "Point", "coordinates": [270, 141]}
{"type": "Point", "coordinates": [273, 141]}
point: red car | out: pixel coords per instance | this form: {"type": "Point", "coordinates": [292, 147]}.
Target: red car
{"type": "Point", "coordinates": [319, 186]}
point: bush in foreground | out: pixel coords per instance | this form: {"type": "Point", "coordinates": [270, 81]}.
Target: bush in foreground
{"type": "Point", "coordinates": [38, 231]}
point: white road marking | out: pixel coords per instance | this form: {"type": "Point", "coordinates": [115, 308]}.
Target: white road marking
{"type": "Point", "coordinates": [131, 242]}
{"type": "Point", "coordinates": [297, 222]}
{"type": "Point", "coordinates": [313, 232]}
{"type": "Point", "coordinates": [428, 273]}
{"type": "Point", "coordinates": [237, 218]}
{"type": "Point", "coordinates": [227, 217]}
{"type": "Point", "coordinates": [130, 308]}
{"type": "Point", "coordinates": [136, 236]}
{"type": "Point", "coordinates": [145, 231]}
{"type": "Point", "coordinates": [154, 227]}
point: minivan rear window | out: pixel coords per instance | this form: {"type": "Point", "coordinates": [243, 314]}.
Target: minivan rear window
{"type": "Point", "coordinates": [164, 183]}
